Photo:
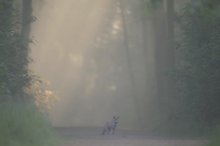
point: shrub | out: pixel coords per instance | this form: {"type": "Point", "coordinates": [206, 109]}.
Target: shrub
{"type": "Point", "coordinates": [22, 124]}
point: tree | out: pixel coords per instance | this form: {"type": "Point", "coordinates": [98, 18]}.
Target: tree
{"type": "Point", "coordinates": [14, 57]}
{"type": "Point", "coordinates": [163, 26]}
{"type": "Point", "coordinates": [21, 122]}
{"type": "Point", "coordinates": [199, 74]}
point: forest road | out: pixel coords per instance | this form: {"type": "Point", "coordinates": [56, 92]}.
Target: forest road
{"type": "Point", "coordinates": [93, 137]}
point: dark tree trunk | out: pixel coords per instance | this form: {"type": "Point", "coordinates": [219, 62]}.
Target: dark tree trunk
{"type": "Point", "coordinates": [163, 20]}
{"type": "Point", "coordinates": [160, 32]}
{"type": "Point", "coordinates": [26, 18]}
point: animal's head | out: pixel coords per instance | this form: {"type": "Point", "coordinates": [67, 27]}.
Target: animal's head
{"type": "Point", "coordinates": [115, 118]}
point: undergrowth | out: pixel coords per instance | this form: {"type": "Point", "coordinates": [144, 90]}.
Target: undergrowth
{"type": "Point", "coordinates": [21, 124]}
{"type": "Point", "coordinates": [215, 139]}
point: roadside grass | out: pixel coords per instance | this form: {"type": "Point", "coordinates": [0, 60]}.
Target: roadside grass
{"type": "Point", "coordinates": [21, 124]}
{"type": "Point", "coordinates": [215, 139]}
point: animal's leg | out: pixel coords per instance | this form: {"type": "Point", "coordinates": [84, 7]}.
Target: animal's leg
{"type": "Point", "coordinates": [105, 129]}
{"type": "Point", "coordinates": [108, 130]}
{"type": "Point", "coordinates": [113, 131]}
{"type": "Point", "coordinates": [103, 132]}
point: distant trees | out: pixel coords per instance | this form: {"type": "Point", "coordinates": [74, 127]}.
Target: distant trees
{"type": "Point", "coordinates": [162, 17]}
{"type": "Point", "coordinates": [199, 70]}
{"type": "Point", "coordinates": [188, 74]}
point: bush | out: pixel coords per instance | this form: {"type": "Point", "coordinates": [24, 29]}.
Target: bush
{"type": "Point", "coordinates": [22, 124]}
{"type": "Point", "coordinates": [215, 140]}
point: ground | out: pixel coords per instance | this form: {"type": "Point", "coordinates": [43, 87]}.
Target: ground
{"type": "Point", "coordinates": [93, 137]}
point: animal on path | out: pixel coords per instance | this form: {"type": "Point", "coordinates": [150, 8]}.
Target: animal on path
{"type": "Point", "coordinates": [110, 126]}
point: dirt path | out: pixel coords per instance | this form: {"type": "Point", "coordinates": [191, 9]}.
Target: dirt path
{"type": "Point", "coordinates": [133, 142]}
{"type": "Point", "coordinates": [92, 137]}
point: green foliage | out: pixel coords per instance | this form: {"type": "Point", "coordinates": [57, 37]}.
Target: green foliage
{"type": "Point", "coordinates": [14, 52]}
{"type": "Point", "coordinates": [149, 6]}
{"type": "Point", "coordinates": [155, 3]}
{"type": "Point", "coordinates": [199, 75]}
{"type": "Point", "coordinates": [215, 139]}
{"type": "Point", "coordinates": [22, 124]}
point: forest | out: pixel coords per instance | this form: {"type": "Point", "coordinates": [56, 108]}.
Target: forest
{"type": "Point", "coordinates": [154, 63]}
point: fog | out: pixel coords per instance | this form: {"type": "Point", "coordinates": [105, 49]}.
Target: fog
{"type": "Point", "coordinates": [94, 56]}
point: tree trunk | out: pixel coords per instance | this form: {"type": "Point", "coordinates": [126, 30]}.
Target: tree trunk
{"type": "Point", "coordinates": [163, 19]}
{"type": "Point", "coordinates": [170, 59]}
{"type": "Point", "coordinates": [160, 36]}
{"type": "Point", "coordinates": [26, 19]}
{"type": "Point", "coordinates": [129, 63]}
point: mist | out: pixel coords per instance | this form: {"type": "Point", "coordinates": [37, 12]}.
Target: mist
{"type": "Point", "coordinates": [112, 72]}
{"type": "Point", "coordinates": [83, 48]}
